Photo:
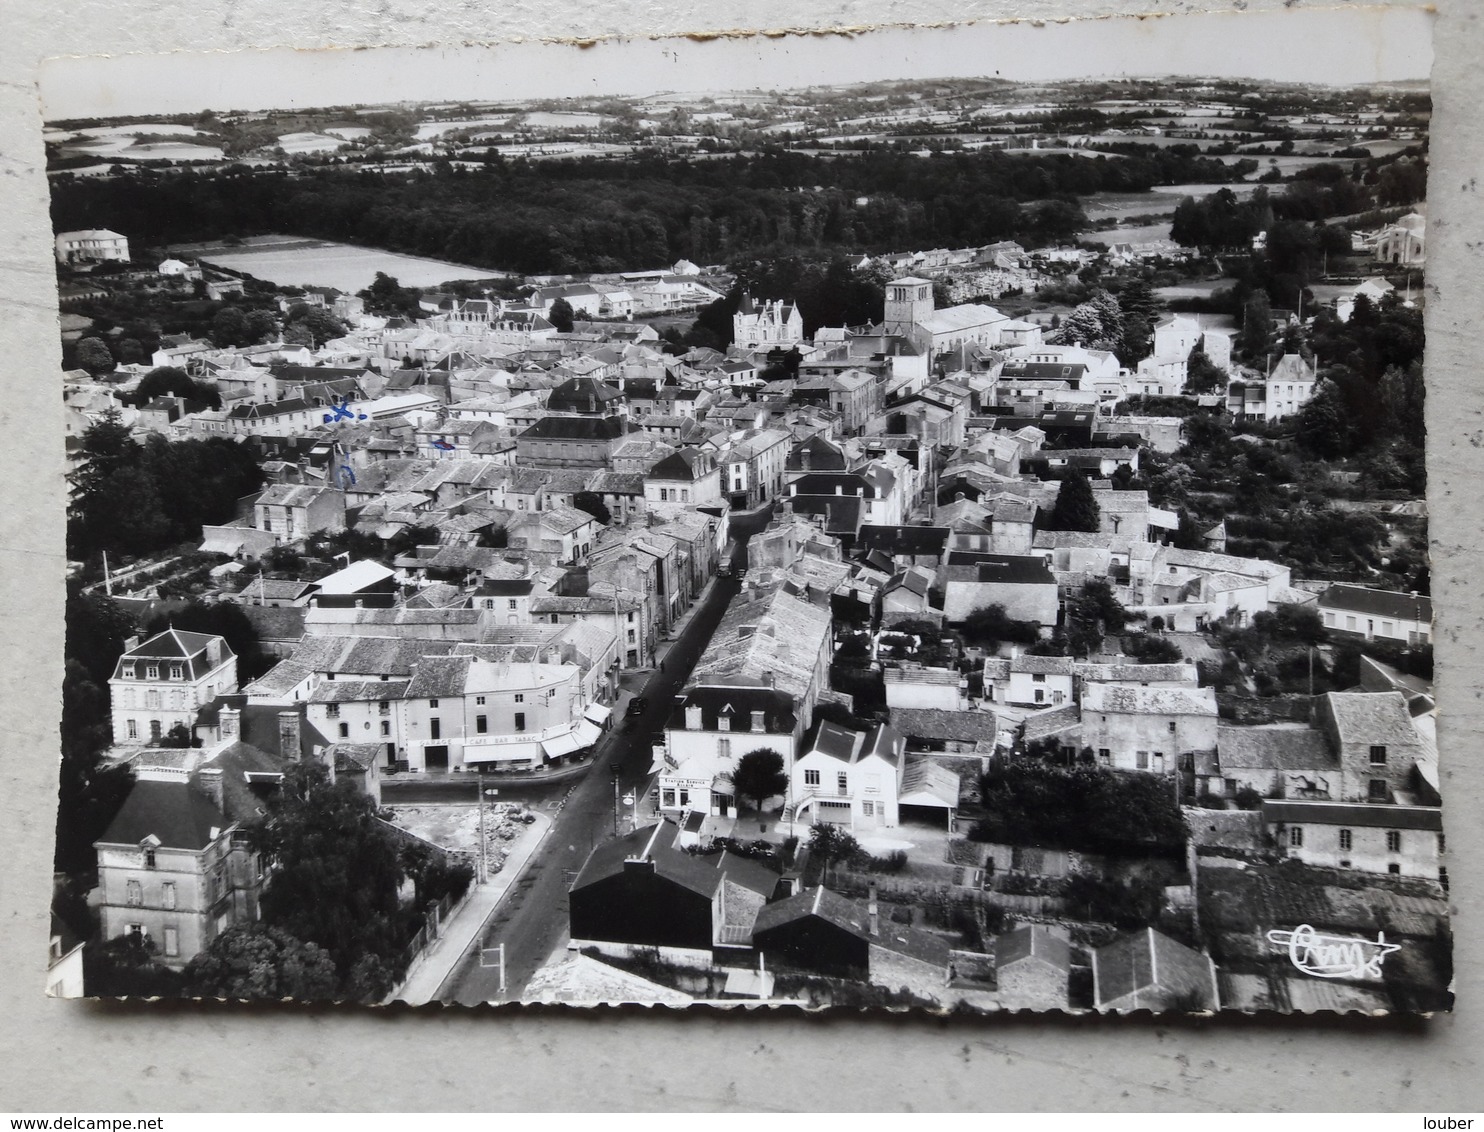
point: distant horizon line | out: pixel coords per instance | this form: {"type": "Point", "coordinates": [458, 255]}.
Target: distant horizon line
{"type": "Point", "coordinates": [1331, 47]}
{"type": "Point", "coordinates": [1424, 84]}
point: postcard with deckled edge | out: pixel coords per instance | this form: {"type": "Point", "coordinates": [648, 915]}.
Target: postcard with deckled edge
{"type": "Point", "coordinates": [931, 520]}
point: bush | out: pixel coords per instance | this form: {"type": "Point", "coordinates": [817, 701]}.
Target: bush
{"type": "Point", "coordinates": [1151, 649]}
{"type": "Point", "coordinates": [1209, 801]}
{"type": "Point", "coordinates": [126, 966]}
{"type": "Point", "coordinates": [854, 650]}
{"type": "Point", "coordinates": [1249, 799]}
{"type": "Point", "coordinates": [893, 862]}
{"type": "Point", "coordinates": [1127, 904]}
{"type": "Point", "coordinates": [990, 626]}
{"type": "Point", "coordinates": [1025, 884]}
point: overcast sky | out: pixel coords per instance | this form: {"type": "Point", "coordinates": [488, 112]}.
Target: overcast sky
{"type": "Point", "coordinates": [1354, 46]}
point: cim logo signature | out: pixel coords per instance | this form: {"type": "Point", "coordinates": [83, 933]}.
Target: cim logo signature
{"type": "Point", "coordinates": [1333, 956]}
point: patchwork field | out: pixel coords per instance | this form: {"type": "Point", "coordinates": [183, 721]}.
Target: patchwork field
{"type": "Point", "coordinates": [292, 261]}
{"type": "Point", "coordinates": [309, 143]}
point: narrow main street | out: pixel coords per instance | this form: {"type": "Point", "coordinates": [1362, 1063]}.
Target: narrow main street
{"type": "Point", "coordinates": [533, 916]}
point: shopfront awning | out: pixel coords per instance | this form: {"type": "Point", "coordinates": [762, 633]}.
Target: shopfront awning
{"type": "Point", "coordinates": [560, 745]}
{"type": "Point", "coordinates": [585, 734]}
{"type": "Point", "coordinates": [597, 713]}
{"type": "Point", "coordinates": [502, 752]}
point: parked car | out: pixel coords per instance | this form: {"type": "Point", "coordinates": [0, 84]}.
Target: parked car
{"type": "Point", "coordinates": [637, 706]}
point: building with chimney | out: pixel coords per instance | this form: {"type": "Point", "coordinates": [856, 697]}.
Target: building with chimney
{"type": "Point", "coordinates": [710, 730]}
{"type": "Point", "coordinates": [498, 706]}
{"type": "Point", "coordinates": [754, 688]}
{"type": "Point", "coordinates": [761, 326]}
{"type": "Point", "coordinates": [165, 681]}
{"type": "Point", "coordinates": [644, 892]}
{"type": "Point", "coordinates": [851, 778]}
{"type": "Point", "coordinates": [175, 868]}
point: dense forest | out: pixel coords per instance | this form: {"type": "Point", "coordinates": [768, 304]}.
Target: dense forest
{"type": "Point", "coordinates": [1316, 193]}
{"type": "Point", "coordinates": [592, 215]}
{"type": "Point", "coordinates": [133, 498]}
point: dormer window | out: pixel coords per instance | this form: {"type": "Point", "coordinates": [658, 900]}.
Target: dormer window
{"type": "Point", "coordinates": [152, 672]}
{"type": "Point", "coordinates": [177, 672]}
{"type": "Point", "coordinates": [128, 670]}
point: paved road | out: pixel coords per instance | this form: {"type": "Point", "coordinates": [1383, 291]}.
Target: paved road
{"type": "Point", "coordinates": [533, 917]}
{"type": "Point", "coordinates": [466, 791]}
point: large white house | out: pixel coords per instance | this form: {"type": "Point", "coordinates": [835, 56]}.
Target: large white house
{"type": "Point", "coordinates": [175, 869]}
{"type": "Point", "coordinates": [711, 728]}
{"type": "Point", "coordinates": [166, 680]}
{"type": "Point", "coordinates": [761, 326]}
{"type": "Point", "coordinates": [1404, 244]}
{"type": "Point", "coordinates": [92, 245]}
{"type": "Point", "coordinates": [852, 778]}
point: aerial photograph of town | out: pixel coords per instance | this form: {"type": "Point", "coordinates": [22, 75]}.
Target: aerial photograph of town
{"type": "Point", "coordinates": [955, 545]}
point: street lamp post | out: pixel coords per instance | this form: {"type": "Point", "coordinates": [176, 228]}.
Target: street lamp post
{"type": "Point", "coordinates": [482, 871]}
{"type": "Point", "coordinates": [615, 801]}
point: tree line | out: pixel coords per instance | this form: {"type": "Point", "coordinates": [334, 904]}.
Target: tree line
{"type": "Point", "coordinates": [136, 499]}
{"type": "Point", "coordinates": [1087, 808]}
{"type": "Point", "coordinates": [1221, 220]}
{"type": "Point", "coordinates": [597, 215]}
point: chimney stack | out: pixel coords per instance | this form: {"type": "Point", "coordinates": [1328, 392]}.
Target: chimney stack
{"type": "Point", "coordinates": [288, 734]}
{"type": "Point", "coordinates": [872, 911]}
{"type": "Point", "coordinates": [209, 781]}
{"type": "Point", "coordinates": [230, 722]}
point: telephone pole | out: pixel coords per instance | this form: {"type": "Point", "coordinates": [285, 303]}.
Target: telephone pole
{"type": "Point", "coordinates": [615, 801]}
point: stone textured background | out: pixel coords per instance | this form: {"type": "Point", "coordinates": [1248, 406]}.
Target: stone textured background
{"type": "Point", "coordinates": [80, 1057]}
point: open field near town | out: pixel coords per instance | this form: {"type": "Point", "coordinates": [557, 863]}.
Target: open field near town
{"type": "Point", "coordinates": [295, 262]}
{"type": "Point", "coordinates": [1140, 235]}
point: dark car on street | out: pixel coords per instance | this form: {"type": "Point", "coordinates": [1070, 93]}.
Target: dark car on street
{"type": "Point", "coordinates": [636, 707]}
